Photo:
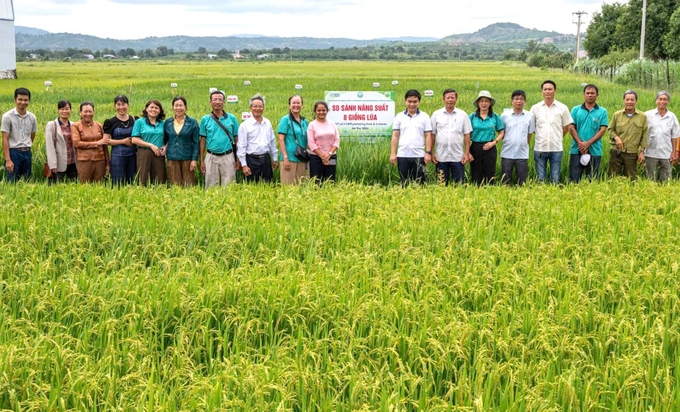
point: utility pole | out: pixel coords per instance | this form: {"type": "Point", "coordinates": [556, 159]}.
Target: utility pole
{"type": "Point", "coordinates": [578, 24]}
{"type": "Point", "coordinates": [642, 29]}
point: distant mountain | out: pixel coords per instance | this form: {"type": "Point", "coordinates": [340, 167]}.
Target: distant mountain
{"type": "Point", "coordinates": [510, 33]}
{"type": "Point", "coordinates": [62, 41]}
{"type": "Point", "coordinates": [247, 36]}
{"type": "Point", "coordinates": [503, 35]}
{"type": "Point", "coordinates": [410, 39]}
{"type": "Point", "coordinates": [29, 30]}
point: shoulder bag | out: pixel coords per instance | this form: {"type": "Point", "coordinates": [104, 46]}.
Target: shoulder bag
{"type": "Point", "coordinates": [231, 139]}
{"type": "Point", "coordinates": [300, 152]}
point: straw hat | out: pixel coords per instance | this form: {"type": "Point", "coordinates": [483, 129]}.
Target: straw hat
{"type": "Point", "coordinates": [484, 93]}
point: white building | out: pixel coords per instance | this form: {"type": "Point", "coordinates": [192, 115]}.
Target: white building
{"type": "Point", "coordinates": [8, 57]}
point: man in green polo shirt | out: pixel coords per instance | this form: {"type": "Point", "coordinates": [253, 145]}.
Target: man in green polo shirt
{"type": "Point", "coordinates": [628, 133]}
{"type": "Point", "coordinates": [218, 134]}
{"type": "Point", "coordinates": [590, 124]}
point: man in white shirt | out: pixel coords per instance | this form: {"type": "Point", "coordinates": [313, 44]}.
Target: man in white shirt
{"type": "Point", "coordinates": [411, 131]}
{"type": "Point", "coordinates": [663, 139]}
{"type": "Point", "coordinates": [519, 126]}
{"type": "Point", "coordinates": [257, 144]}
{"type": "Point", "coordinates": [451, 130]}
{"type": "Point", "coordinates": [553, 121]}
{"type": "Point", "coordinates": [18, 132]}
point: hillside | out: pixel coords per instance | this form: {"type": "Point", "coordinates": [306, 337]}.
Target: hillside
{"type": "Point", "coordinates": [497, 35]}
{"type": "Point", "coordinates": [62, 41]}
{"type": "Point", "coordinates": [29, 30]}
{"type": "Point", "coordinates": [511, 33]}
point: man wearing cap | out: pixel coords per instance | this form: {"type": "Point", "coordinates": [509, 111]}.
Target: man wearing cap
{"type": "Point", "coordinates": [628, 133]}
{"type": "Point", "coordinates": [552, 124]}
{"type": "Point", "coordinates": [411, 131]}
{"type": "Point", "coordinates": [590, 122]}
{"type": "Point", "coordinates": [218, 136]}
{"type": "Point", "coordinates": [663, 139]}
{"type": "Point", "coordinates": [18, 132]}
{"type": "Point", "coordinates": [519, 125]}
{"type": "Point", "coordinates": [257, 144]}
{"type": "Point", "coordinates": [451, 134]}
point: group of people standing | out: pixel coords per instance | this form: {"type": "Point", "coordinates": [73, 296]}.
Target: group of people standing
{"type": "Point", "coordinates": [152, 149]}
{"type": "Point", "coordinates": [451, 138]}
{"type": "Point", "coordinates": [139, 146]}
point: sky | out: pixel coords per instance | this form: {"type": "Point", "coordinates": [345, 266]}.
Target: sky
{"type": "Point", "coordinates": [355, 19]}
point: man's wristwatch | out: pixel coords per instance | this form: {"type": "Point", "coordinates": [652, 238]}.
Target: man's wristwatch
{"type": "Point", "coordinates": [428, 152]}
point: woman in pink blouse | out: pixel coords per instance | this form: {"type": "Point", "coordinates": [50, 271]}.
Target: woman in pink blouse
{"type": "Point", "coordinates": [323, 140]}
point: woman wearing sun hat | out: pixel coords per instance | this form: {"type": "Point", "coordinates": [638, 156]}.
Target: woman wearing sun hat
{"type": "Point", "coordinates": [487, 131]}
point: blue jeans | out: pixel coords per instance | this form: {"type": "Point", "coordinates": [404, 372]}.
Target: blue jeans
{"type": "Point", "coordinates": [542, 159]}
{"type": "Point", "coordinates": [448, 171]}
{"type": "Point", "coordinates": [123, 169]}
{"type": "Point", "coordinates": [576, 170]}
{"type": "Point", "coordinates": [23, 164]}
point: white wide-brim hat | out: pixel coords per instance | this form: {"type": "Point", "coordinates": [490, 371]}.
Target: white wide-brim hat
{"type": "Point", "coordinates": [484, 93]}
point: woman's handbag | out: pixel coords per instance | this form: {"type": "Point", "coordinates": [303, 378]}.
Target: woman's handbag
{"type": "Point", "coordinates": [300, 152]}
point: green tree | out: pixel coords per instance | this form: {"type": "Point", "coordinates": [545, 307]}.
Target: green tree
{"type": "Point", "coordinates": [629, 23]}
{"type": "Point", "coordinates": [658, 24]}
{"type": "Point", "coordinates": [618, 27]}
{"type": "Point", "coordinates": [672, 38]}
{"type": "Point", "coordinates": [601, 33]}
{"type": "Point", "coordinates": [129, 52]}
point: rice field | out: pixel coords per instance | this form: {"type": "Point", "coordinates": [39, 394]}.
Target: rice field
{"type": "Point", "coordinates": [345, 297]}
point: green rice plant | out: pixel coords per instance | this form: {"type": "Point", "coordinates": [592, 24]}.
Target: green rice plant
{"type": "Point", "coordinates": [340, 297]}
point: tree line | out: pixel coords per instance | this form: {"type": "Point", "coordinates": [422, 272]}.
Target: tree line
{"type": "Point", "coordinates": [615, 31]}
{"type": "Point", "coordinates": [536, 53]}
